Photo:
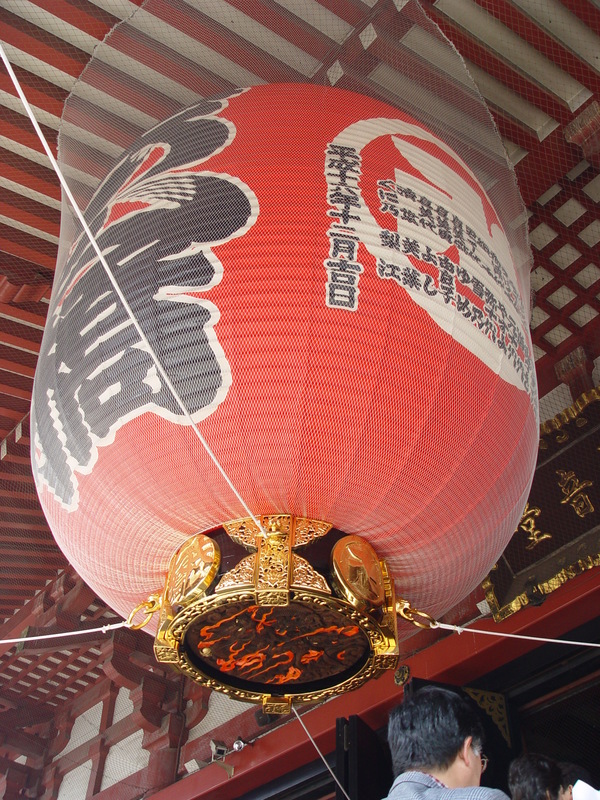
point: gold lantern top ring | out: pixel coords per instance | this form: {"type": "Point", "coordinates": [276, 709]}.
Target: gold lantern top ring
{"type": "Point", "coordinates": [277, 627]}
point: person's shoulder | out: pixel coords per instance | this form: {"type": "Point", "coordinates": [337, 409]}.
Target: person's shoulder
{"type": "Point", "coordinates": [418, 786]}
{"type": "Point", "coordinates": [411, 785]}
{"type": "Point", "coordinates": [477, 793]}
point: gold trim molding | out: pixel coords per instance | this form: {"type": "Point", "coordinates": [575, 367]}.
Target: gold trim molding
{"type": "Point", "coordinates": [572, 413]}
{"type": "Point", "coordinates": [501, 612]}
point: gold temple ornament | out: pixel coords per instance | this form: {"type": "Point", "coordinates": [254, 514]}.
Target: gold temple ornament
{"type": "Point", "coordinates": [272, 625]}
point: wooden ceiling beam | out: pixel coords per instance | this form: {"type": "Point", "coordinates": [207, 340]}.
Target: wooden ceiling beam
{"type": "Point", "coordinates": [12, 457]}
{"type": "Point", "coordinates": [30, 539]}
{"type": "Point", "coordinates": [94, 21]}
{"type": "Point", "coordinates": [222, 40]}
{"type": "Point", "coordinates": [24, 587]}
{"type": "Point", "coordinates": [554, 51]}
{"type": "Point", "coordinates": [33, 544]}
{"type": "Point", "coordinates": [19, 343]}
{"type": "Point", "coordinates": [133, 92]}
{"type": "Point", "coordinates": [19, 170]}
{"type": "Point", "coordinates": [110, 127]}
{"type": "Point", "coordinates": [21, 743]}
{"type": "Point", "coordinates": [40, 562]}
{"type": "Point", "coordinates": [34, 513]}
{"type": "Point", "coordinates": [20, 435]}
{"type": "Point", "coordinates": [586, 11]}
{"type": "Point", "coordinates": [13, 385]}
{"type": "Point", "coordinates": [32, 645]}
{"type": "Point", "coordinates": [8, 419]}
{"type": "Point", "coordinates": [19, 129]}
{"type": "Point", "coordinates": [288, 26]}
{"type": "Point", "coordinates": [26, 615]}
{"type": "Point", "coordinates": [23, 495]}
{"type": "Point", "coordinates": [21, 509]}
{"type": "Point", "coordinates": [43, 45]}
{"type": "Point", "coordinates": [351, 11]}
{"type": "Point", "coordinates": [48, 543]}
{"type": "Point", "coordinates": [27, 713]}
{"type": "Point", "coordinates": [8, 469]}
{"type": "Point", "coordinates": [492, 63]}
{"type": "Point", "coordinates": [74, 598]}
{"type": "Point", "coordinates": [41, 94]}
{"type": "Point", "coordinates": [13, 391]}
{"type": "Point", "coordinates": [10, 765]}
{"type": "Point", "coordinates": [29, 212]}
{"type": "Point", "coordinates": [27, 544]}
{"type": "Point", "coordinates": [25, 246]}
{"type": "Point", "coordinates": [12, 409]}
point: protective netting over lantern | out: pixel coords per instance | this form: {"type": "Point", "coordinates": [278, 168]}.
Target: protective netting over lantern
{"type": "Point", "coordinates": [329, 266]}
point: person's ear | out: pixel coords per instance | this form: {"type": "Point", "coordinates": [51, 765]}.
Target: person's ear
{"type": "Point", "coordinates": [466, 752]}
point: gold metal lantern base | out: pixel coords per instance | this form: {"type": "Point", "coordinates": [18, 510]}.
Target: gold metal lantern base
{"type": "Point", "coordinates": [278, 627]}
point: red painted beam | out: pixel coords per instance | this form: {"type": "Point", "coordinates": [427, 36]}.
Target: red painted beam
{"type": "Point", "coordinates": [20, 510]}
{"type": "Point", "coordinates": [23, 496]}
{"type": "Point", "coordinates": [221, 40]}
{"type": "Point", "coordinates": [546, 165]}
{"type": "Point", "coordinates": [16, 368]}
{"type": "Point", "coordinates": [288, 26]}
{"type": "Point", "coordinates": [352, 11]}
{"type": "Point", "coordinates": [19, 343]}
{"type": "Point", "coordinates": [45, 46]}
{"type": "Point", "coordinates": [23, 172]}
{"type": "Point", "coordinates": [27, 247]}
{"type": "Point", "coordinates": [22, 315]}
{"type": "Point", "coordinates": [18, 128]}
{"type": "Point", "coordinates": [40, 93]}
{"type": "Point", "coordinates": [14, 391]}
{"type": "Point", "coordinates": [10, 417]}
{"type": "Point", "coordinates": [551, 48]}
{"type": "Point", "coordinates": [11, 458]}
{"type": "Point", "coordinates": [495, 66]}
{"type": "Point", "coordinates": [28, 212]}
{"type": "Point", "coordinates": [586, 11]}
{"type": "Point", "coordinates": [93, 21]}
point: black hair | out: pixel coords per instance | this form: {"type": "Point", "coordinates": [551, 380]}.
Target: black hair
{"type": "Point", "coordinates": [428, 729]}
{"type": "Point", "coordinates": [571, 773]}
{"type": "Point", "coordinates": [534, 777]}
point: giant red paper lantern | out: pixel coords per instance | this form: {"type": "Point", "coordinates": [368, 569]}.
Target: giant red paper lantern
{"type": "Point", "coordinates": [332, 295]}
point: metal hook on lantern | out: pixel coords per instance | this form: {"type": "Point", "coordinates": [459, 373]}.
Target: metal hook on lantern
{"type": "Point", "coordinates": [148, 607]}
{"type": "Point", "coordinates": [419, 618]}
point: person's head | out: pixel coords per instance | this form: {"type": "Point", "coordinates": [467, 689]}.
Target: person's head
{"type": "Point", "coordinates": [432, 730]}
{"type": "Point", "coordinates": [534, 777]}
{"type": "Point", "coordinates": [571, 773]}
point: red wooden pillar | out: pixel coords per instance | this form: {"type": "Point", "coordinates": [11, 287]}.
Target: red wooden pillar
{"type": "Point", "coordinates": [99, 750]}
{"type": "Point", "coordinates": [12, 781]}
{"type": "Point", "coordinates": [164, 748]}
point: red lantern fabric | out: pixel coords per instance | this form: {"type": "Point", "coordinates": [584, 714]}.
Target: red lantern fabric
{"type": "Point", "coordinates": [331, 292]}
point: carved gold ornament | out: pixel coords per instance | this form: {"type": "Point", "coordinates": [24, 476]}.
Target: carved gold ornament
{"type": "Point", "coordinates": [278, 627]}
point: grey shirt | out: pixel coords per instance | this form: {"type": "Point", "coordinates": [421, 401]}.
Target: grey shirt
{"type": "Point", "coordinates": [419, 786]}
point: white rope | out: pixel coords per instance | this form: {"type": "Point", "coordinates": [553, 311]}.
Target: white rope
{"type": "Point", "coordinates": [333, 775]}
{"type": "Point", "coordinates": [455, 628]}
{"type": "Point", "coordinates": [104, 629]}
{"type": "Point", "coordinates": [116, 287]}
{"type": "Point", "coordinates": [459, 630]}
